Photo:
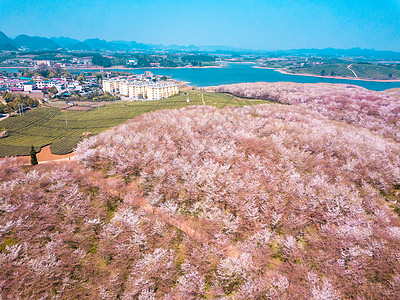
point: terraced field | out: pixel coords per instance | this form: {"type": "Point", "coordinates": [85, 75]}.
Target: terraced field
{"type": "Point", "coordinates": [64, 129]}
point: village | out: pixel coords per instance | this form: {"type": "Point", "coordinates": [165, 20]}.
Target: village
{"type": "Point", "coordinates": [38, 83]}
{"type": "Point", "coordinates": [131, 87]}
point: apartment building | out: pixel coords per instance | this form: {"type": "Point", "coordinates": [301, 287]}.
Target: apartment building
{"type": "Point", "coordinates": [141, 89]}
{"type": "Point", "coordinates": [111, 86]}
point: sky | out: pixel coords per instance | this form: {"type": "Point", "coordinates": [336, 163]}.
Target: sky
{"type": "Point", "coordinates": [250, 24]}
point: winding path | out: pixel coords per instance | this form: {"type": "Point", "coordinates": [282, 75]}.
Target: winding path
{"type": "Point", "coordinates": [195, 228]}
{"type": "Point", "coordinates": [349, 67]}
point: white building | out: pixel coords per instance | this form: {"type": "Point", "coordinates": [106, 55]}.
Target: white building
{"type": "Point", "coordinates": [28, 86]}
{"type": "Point", "coordinates": [141, 90]}
{"type": "Point", "coordinates": [40, 84]}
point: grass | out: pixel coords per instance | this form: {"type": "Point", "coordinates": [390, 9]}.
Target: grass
{"type": "Point", "coordinates": [364, 71]}
{"type": "Point", "coordinates": [44, 126]}
{"type": "Point", "coordinates": [338, 69]}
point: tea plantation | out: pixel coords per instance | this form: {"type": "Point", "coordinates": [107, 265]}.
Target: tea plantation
{"type": "Point", "coordinates": [64, 129]}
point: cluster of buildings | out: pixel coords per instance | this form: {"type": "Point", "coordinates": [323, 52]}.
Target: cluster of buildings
{"type": "Point", "coordinates": [76, 62]}
{"type": "Point", "coordinates": [28, 61]}
{"type": "Point", "coordinates": [38, 83]}
{"type": "Point", "coordinates": [137, 87]}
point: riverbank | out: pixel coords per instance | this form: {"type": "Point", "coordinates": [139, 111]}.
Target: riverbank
{"type": "Point", "coordinates": [328, 76]}
{"type": "Point", "coordinates": [247, 72]}
{"type": "Point", "coordinates": [143, 68]}
{"type": "Point", "coordinates": [123, 67]}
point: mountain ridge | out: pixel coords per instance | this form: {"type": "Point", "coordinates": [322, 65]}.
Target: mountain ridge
{"type": "Point", "coordinates": [24, 41]}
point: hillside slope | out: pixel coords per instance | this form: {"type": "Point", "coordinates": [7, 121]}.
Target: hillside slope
{"type": "Point", "coordinates": [267, 201]}
{"type": "Point", "coordinates": [300, 197]}
{"type": "Point", "coordinates": [376, 111]}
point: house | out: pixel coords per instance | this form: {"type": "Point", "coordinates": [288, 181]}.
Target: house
{"type": "Point", "coordinates": [28, 86]}
{"type": "Point", "coordinates": [132, 62]}
{"type": "Point", "coordinates": [40, 84]}
{"type": "Point", "coordinates": [148, 74]}
{"type": "Point", "coordinates": [85, 61]}
{"type": "Point", "coordinates": [43, 62]}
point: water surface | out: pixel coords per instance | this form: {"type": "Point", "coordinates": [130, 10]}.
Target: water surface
{"type": "Point", "coordinates": [239, 72]}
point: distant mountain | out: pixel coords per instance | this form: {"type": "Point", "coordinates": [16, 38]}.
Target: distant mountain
{"type": "Point", "coordinates": [136, 45]}
{"type": "Point", "coordinates": [35, 42]}
{"type": "Point", "coordinates": [64, 41]}
{"type": "Point", "coordinates": [42, 43]}
{"type": "Point", "coordinates": [4, 39]}
{"type": "Point", "coordinates": [6, 43]}
{"type": "Point", "coordinates": [97, 44]}
{"type": "Point", "coordinates": [71, 44]}
{"type": "Point", "coordinates": [80, 46]}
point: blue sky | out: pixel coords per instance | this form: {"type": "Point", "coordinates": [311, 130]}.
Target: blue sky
{"type": "Point", "coordinates": [257, 24]}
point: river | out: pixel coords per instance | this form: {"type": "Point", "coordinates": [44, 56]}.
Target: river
{"type": "Point", "coordinates": [239, 72]}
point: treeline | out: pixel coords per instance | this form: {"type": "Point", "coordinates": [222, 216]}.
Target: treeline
{"type": "Point", "coordinates": [14, 102]}
{"type": "Point", "coordinates": [45, 71]}
{"type": "Point", "coordinates": [91, 97]}
{"type": "Point", "coordinates": [99, 60]}
{"type": "Point", "coordinates": [145, 60]}
{"type": "Point", "coordinates": [198, 58]}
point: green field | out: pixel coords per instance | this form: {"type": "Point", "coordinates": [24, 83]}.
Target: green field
{"type": "Point", "coordinates": [44, 126]}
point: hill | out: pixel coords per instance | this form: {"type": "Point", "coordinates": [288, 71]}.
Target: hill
{"type": "Point", "coordinates": [277, 201]}
{"type": "Point", "coordinates": [376, 111]}
{"type": "Point", "coordinates": [64, 41]}
{"type": "Point", "coordinates": [333, 52]}
{"type": "Point", "coordinates": [80, 46]}
{"type": "Point", "coordinates": [292, 200]}
{"type": "Point", "coordinates": [6, 43]}
{"type": "Point", "coordinates": [354, 70]}
{"type": "Point", "coordinates": [42, 43]}
{"type": "Point", "coordinates": [35, 42]}
{"type": "Point", "coordinates": [97, 44]}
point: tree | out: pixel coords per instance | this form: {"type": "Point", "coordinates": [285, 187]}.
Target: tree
{"type": "Point", "coordinates": [99, 77]}
{"type": "Point", "coordinates": [33, 156]}
{"type": "Point", "coordinates": [390, 76]}
{"type": "Point", "coordinates": [323, 73]}
{"type": "Point", "coordinates": [8, 97]}
{"type": "Point", "coordinates": [53, 90]}
{"type": "Point", "coordinates": [43, 70]}
{"type": "Point", "coordinates": [2, 108]}
{"type": "Point", "coordinates": [81, 78]}
{"type": "Point", "coordinates": [99, 60]}
{"type": "Point", "coordinates": [57, 69]}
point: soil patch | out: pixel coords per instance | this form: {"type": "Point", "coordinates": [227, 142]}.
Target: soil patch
{"type": "Point", "coordinates": [46, 155]}
{"type": "Point", "coordinates": [79, 108]}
